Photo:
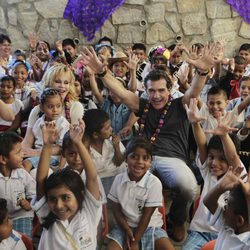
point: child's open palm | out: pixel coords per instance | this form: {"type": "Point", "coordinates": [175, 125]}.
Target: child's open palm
{"type": "Point", "coordinates": [76, 132]}
{"type": "Point", "coordinates": [133, 61]}
{"type": "Point", "coordinates": [224, 126]}
{"type": "Point", "coordinates": [231, 179]}
{"type": "Point", "coordinates": [49, 132]}
{"type": "Point", "coordinates": [208, 59]}
{"type": "Point", "coordinates": [192, 111]}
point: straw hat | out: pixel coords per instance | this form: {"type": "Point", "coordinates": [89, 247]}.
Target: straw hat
{"type": "Point", "coordinates": [119, 56]}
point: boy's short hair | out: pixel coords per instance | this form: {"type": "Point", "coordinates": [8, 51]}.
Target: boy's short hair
{"type": "Point", "coordinates": [7, 142]}
{"type": "Point", "coordinates": [8, 78]}
{"type": "Point", "coordinates": [239, 202]}
{"type": "Point", "coordinates": [216, 90]}
{"type": "Point", "coordinates": [139, 142]}
{"type": "Point", "coordinates": [4, 38]}
{"type": "Point", "coordinates": [94, 120]}
{"type": "Point", "coordinates": [245, 46]}
{"type": "Point", "coordinates": [156, 75]}
{"type": "Point", "coordinates": [3, 210]}
{"type": "Point", "coordinates": [216, 143]}
{"type": "Point", "coordinates": [240, 60]}
{"type": "Point", "coordinates": [244, 79]}
{"type": "Point", "coordinates": [139, 46]}
{"type": "Point", "coordinates": [68, 41]}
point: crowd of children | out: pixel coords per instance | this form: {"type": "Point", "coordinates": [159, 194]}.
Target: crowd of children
{"type": "Point", "coordinates": [79, 126]}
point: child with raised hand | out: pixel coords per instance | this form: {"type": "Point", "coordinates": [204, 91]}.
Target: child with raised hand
{"type": "Point", "coordinates": [68, 210]}
{"type": "Point", "coordinates": [231, 220]}
{"type": "Point", "coordinates": [9, 238]}
{"type": "Point", "coordinates": [17, 186]}
{"type": "Point", "coordinates": [214, 160]}
{"type": "Point", "coordinates": [216, 105]}
{"type": "Point", "coordinates": [118, 112]}
{"type": "Point", "coordinates": [7, 95]}
{"type": "Point", "coordinates": [51, 106]}
{"type": "Point", "coordinates": [135, 196]}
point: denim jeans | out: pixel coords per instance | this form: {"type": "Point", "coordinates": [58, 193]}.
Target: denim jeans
{"type": "Point", "coordinates": [178, 177]}
{"type": "Point", "coordinates": [196, 240]}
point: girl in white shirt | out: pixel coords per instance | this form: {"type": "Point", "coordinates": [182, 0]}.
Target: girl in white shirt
{"type": "Point", "coordinates": [69, 212]}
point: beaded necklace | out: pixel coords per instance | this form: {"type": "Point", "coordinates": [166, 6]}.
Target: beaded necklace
{"type": "Point", "coordinates": [160, 122]}
{"type": "Point", "coordinates": [67, 108]}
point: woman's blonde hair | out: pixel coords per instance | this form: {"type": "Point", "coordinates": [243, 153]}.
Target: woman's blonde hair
{"type": "Point", "coordinates": [56, 70]}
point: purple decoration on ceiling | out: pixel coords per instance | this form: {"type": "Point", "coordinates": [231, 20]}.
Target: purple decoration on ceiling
{"type": "Point", "coordinates": [242, 7]}
{"type": "Point", "coordinates": [89, 15]}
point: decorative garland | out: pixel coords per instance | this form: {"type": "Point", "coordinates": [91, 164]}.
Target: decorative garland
{"type": "Point", "coordinates": [67, 108]}
{"type": "Point", "coordinates": [242, 7]}
{"type": "Point", "coordinates": [90, 15]}
{"type": "Point", "coordinates": [160, 122]}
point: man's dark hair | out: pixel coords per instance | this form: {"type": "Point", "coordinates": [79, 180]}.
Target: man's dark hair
{"type": "Point", "coordinates": [156, 75]}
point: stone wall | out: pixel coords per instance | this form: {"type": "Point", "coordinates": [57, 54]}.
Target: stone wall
{"type": "Point", "coordinates": [148, 21]}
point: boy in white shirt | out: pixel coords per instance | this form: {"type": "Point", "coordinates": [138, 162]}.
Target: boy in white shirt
{"type": "Point", "coordinates": [216, 105]}
{"type": "Point", "coordinates": [9, 238]}
{"type": "Point", "coordinates": [136, 195]}
{"type": "Point", "coordinates": [16, 185]}
{"type": "Point", "coordinates": [214, 159]}
{"type": "Point", "coordinates": [232, 220]}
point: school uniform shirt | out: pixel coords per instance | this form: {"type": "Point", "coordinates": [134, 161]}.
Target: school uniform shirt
{"type": "Point", "coordinates": [212, 123]}
{"type": "Point", "coordinates": [82, 227]}
{"type": "Point", "coordinates": [83, 176]}
{"type": "Point", "coordinates": [200, 220]}
{"type": "Point", "coordinates": [227, 239]}
{"type": "Point", "coordinates": [62, 126]}
{"type": "Point", "coordinates": [14, 242]}
{"type": "Point", "coordinates": [16, 106]}
{"type": "Point", "coordinates": [76, 113]}
{"type": "Point", "coordinates": [134, 196]}
{"type": "Point", "coordinates": [19, 185]}
{"type": "Point", "coordinates": [104, 162]}
{"type": "Point", "coordinates": [236, 102]}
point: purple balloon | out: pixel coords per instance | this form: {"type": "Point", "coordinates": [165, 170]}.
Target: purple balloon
{"type": "Point", "coordinates": [242, 7]}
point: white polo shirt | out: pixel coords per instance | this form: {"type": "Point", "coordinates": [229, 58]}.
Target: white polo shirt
{"type": "Point", "coordinates": [14, 242]}
{"type": "Point", "coordinates": [82, 228]}
{"type": "Point", "coordinates": [104, 162]}
{"type": "Point", "coordinates": [227, 239]}
{"type": "Point", "coordinates": [19, 185]}
{"type": "Point", "coordinates": [134, 196]}
{"type": "Point", "coordinates": [200, 220]}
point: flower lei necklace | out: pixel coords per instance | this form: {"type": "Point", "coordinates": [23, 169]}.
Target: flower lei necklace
{"type": "Point", "coordinates": [160, 122]}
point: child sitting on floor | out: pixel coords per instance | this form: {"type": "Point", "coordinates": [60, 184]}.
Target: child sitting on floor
{"type": "Point", "coordinates": [136, 195]}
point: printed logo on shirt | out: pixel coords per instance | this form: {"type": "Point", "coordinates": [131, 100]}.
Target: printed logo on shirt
{"type": "Point", "coordinates": [84, 238]}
